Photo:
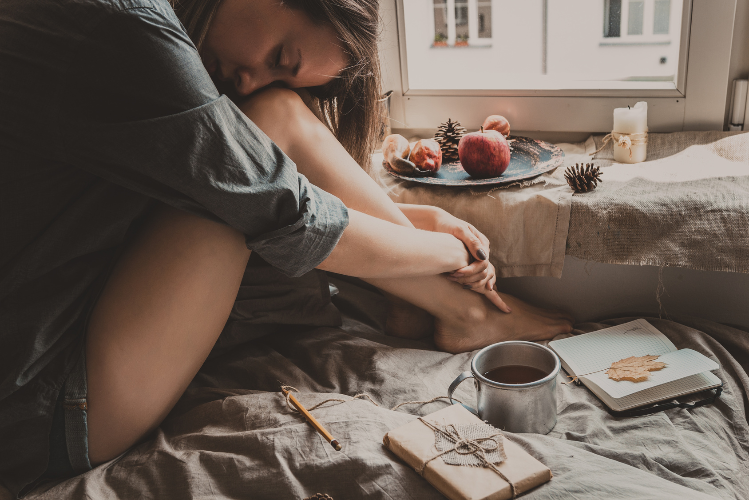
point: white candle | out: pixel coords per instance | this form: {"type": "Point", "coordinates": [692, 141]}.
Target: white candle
{"type": "Point", "coordinates": [631, 121]}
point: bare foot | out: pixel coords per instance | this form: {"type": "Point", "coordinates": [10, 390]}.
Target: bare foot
{"type": "Point", "coordinates": [406, 320]}
{"type": "Point", "coordinates": [484, 324]}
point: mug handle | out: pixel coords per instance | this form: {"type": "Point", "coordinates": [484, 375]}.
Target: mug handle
{"type": "Point", "coordinates": [454, 385]}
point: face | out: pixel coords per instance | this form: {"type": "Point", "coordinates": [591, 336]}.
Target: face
{"type": "Point", "coordinates": [255, 43]}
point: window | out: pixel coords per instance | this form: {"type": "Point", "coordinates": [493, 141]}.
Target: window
{"type": "Point", "coordinates": [637, 12]}
{"type": "Point", "coordinates": [462, 20]}
{"type": "Point", "coordinates": [484, 9]}
{"type": "Point", "coordinates": [441, 23]}
{"type": "Point", "coordinates": [557, 65]}
{"type": "Point", "coordinates": [612, 17]}
{"type": "Point", "coordinates": [661, 17]}
{"type": "Point", "coordinates": [635, 18]}
{"type": "Point", "coordinates": [469, 25]}
{"type": "Point", "coordinates": [538, 44]}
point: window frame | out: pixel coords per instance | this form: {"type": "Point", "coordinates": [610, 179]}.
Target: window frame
{"type": "Point", "coordinates": [697, 102]}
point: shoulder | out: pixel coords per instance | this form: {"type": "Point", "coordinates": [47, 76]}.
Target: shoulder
{"type": "Point", "coordinates": [54, 26]}
{"type": "Point", "coordinates": [160, 10]}
{"type": "Point", "coordinates": [137, 63]}
{"type": "Point", "coordinates": [151, 14]}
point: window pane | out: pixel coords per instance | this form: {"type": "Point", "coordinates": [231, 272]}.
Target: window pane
{"type": "Point", "coordinates": [612, 16]}
{"type": "Point", "coordinates": [661, 17]}
{"type": "Point", "coordinates": [441, 22]}
{"type": "Point", "coordinates": [485, 18]}
{"type": "Point", "coordinates": [462, 21]}
{"type": "Point", "coordinates": [510, 49]}
{"type": "Point", "coordinates": [635, 18]}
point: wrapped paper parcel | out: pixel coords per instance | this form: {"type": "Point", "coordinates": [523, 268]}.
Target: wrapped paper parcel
{"type": "Point", "coordinates": [465, 458]}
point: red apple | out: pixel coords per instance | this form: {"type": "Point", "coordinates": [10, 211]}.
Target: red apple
{"type": "Point", "coordinates": [427, 155]}
{"type": "Point", "coordinates": [484, 154]}
{"type": "Point", "coordinates": [497, 122]}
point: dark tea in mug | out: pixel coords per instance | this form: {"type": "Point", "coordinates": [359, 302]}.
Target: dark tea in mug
{"type": "Point", "coordinates": [515, 374]}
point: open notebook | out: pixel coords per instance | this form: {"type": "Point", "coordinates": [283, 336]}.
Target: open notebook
{"type": "Point", "coordinates": [588, 357]}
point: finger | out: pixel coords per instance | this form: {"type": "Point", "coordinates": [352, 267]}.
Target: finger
{"type": "Point", "coordinates": [478, 286]}
{"type": "Point", "coordinates": [472, 242]}
{"type": "Point", "coordinates": [475, 267]}
{"type": "Point", "coordinates": [482, 237]}
{"type": "Point", "coordinates": [497, 301]}
{"type": "Point", "coordinates": [475, 279]}
{"type": "Point", "coordinates": [491, 283]}
{"type": "Point", "coordinates": [472, 279]}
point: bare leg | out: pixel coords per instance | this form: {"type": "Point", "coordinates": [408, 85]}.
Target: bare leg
{"type": "Point", "coordinates": [464, 319]}
{"type": "Point", "coordinates": [157, 319]}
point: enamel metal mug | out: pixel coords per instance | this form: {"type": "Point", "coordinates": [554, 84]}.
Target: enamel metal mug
{"type": "Point", "coordinates": [528, 407]}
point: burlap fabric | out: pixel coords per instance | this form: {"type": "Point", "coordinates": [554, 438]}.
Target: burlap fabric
{"type": "Point", "coordinates": [686, 206]}
{"type": "Point", "coordinates": [494, 453]}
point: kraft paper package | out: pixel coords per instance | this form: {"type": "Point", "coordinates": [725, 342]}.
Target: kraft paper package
{"type": "Point", "coordinates": [421, 444]}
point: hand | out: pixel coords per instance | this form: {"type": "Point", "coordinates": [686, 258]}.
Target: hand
{"type": "Point", "coordinates": [479, 275]}
{"type": "Point", "coordinates": [438, 220]}
{"type": "Point", "coordinates": [482, 282]}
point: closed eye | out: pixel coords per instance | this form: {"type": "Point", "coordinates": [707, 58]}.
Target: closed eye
{"type": "Point", "coordinates": [279, 54]}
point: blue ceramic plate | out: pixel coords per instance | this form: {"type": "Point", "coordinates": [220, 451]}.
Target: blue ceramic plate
{"type": "Point", "coordinates": [528, 158]}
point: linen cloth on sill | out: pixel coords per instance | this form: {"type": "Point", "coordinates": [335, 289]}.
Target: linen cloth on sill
{"type": "Point", "coordinates": [526, 222]}
{"type": "Point", "coordinates": [686, 206]}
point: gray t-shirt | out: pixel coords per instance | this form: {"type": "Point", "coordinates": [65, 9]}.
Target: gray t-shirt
{"type": "Point", "coordinates": [105, 107]}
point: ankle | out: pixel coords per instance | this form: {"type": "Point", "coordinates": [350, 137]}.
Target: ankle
{"type": "Point", "coordinates": [469, 315]}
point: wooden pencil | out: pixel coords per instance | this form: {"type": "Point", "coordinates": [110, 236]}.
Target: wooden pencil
{"type": "Point", "coordinates": [316, 425]}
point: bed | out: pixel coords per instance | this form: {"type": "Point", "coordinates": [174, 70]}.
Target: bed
{"type": "Point", "coordinates": [232, 435]}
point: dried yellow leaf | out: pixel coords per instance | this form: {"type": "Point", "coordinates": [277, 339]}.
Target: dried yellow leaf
{"type": "Point", "coordinates": [634, 368]}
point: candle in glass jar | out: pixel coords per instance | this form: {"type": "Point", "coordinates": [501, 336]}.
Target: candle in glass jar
{"type": "Point", "coordinates": [631, 121]}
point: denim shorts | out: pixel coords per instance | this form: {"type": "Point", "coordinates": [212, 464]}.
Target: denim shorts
{"type": "Point", "coordinates": [68, 439]}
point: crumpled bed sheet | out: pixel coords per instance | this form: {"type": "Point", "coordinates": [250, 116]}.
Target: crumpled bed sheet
{"type": "Point", "coordinates": [231, 435]}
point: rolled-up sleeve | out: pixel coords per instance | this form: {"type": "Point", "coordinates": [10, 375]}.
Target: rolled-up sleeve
{"type": "Point", "coordinates": [176, 140]}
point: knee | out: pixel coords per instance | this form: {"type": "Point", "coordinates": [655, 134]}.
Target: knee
{"type": "Point", "coordinates": [280, 113]}
{"type": "Point", "coordinates": [273, 101]}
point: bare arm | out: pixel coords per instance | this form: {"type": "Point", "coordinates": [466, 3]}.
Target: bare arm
{"type": "Point", "coordinates": [478, 276]}
{"type": "Point", "coordinates": [374, 248]}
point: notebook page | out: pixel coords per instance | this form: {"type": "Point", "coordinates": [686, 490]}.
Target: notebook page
{"type": "Point", "coordinates": [596, 351]}
{"type": "Point", "coordinates": [680, 364]}
{"type": "Point", "coordinates": [670, 390]}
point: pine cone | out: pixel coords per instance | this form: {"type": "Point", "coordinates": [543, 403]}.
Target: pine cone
{"type": "Point", "coordinates": [448, 136]}
{"type": "Point", "coordinates": [319, 496]}
{"type": "Point", "coordinates": [583, 179]}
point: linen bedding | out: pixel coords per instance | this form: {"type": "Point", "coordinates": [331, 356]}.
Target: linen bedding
{"type": "Point", "coordinates": [232, 436]}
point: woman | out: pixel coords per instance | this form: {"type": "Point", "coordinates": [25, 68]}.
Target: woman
{"type": "Point", "coordinates": [133, 194]}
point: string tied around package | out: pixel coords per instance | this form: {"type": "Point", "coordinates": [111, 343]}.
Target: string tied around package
{"type": "Point", "coordinates": [482, 445]}
{"type": "Point", "coordinates": [479, 443]}
{"type": "Point", "coordinates": [622, 140]}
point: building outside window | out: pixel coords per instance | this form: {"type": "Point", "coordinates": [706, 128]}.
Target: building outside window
{"type": "Point", "coordinates": [542, 44]}
{"type": "Point", "coordinates": [558, 65]}
{"type": "Point", "coordinates": [462, 23]}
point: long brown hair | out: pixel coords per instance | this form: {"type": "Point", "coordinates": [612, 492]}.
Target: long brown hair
{"type": "Point", "coordinates": [349, 104]}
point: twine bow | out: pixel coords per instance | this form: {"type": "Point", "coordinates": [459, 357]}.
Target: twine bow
{"type": "Point", "coordinates": [625, 141]}
{"type": "Point", "coordinates": [478, 447]}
